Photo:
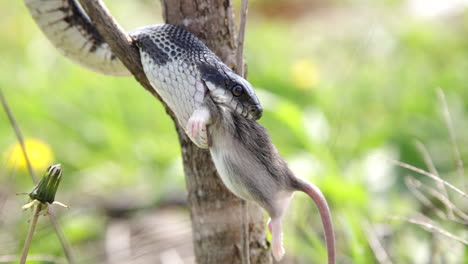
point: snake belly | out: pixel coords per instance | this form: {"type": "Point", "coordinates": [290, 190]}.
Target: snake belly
{"type": "Point", "coordinates": [171, 58]}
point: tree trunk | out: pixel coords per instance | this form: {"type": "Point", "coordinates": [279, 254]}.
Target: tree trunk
{"type": "Point", "coordinates": [215, 211]}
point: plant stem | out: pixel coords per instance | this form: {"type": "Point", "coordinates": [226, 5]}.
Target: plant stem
{"type": "Point", "coordinates": [63, 240]}
{"type": "Point", "coordinates": [32, 228]}
{"type": "Point", "coordinates": [19, 135]}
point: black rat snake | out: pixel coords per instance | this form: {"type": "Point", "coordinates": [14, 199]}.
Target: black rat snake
{"type": "Point", "coordinates": [181, 69]}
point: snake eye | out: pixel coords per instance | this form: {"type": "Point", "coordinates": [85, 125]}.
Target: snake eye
{"type": "Point", "coordinates": [237, 90]}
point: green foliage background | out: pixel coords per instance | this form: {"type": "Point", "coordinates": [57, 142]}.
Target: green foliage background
{"type": "Point", "coordinates": [375, 68]}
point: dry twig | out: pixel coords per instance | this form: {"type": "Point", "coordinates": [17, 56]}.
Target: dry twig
{"type": "Point", "coordinates": [241, 37]}
{"type": "Point", "coordinates": [241, 71]}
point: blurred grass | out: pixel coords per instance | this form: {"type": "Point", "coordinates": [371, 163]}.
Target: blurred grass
{"type": "Point", "coordinates": [375, 70]}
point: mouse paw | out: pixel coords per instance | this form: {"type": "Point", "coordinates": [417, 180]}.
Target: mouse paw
{"type": "Point", "coordinates": [197, 122]}
{"type": "Point", "coordinates": [276, 238]}
{"type": "Point", "coordinates": [194, 126]}
{"type": "Point", "coordinates": [278, 251]}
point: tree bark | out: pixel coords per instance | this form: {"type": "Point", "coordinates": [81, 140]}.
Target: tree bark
{"type": "Point", "coordinates": [215, 212]}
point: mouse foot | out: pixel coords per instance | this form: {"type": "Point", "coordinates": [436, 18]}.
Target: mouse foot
{"type": "Point", "coordinates": [194, 127]}
{"type": "Point", "coordinates": [197, 122]}
{"type": "Point", "coordinates": [276, 230]}
{"type": "Point", "coordinates": [278, 252]}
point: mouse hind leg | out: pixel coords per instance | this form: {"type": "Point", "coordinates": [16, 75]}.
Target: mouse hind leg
{"type": "Point", "coordinates": [276, 228]}
{"type": "Point", "coordinates": [275, 225]}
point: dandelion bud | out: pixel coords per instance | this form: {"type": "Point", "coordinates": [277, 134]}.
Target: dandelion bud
{"type": "Point", "coordinates": [47, 187]}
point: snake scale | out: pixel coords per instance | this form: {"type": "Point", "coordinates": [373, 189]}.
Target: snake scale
{"type": "Point", "coordinates": [180, 67]}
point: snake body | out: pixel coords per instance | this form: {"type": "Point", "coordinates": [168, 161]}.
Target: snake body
{"type": "Point", "coordinates": [179, 66]}
{"type": "Point", "coordinates": [70, 30]}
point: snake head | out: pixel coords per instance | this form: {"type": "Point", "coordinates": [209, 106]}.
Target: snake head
{"type": "Point", "coordinates": [230, 90]}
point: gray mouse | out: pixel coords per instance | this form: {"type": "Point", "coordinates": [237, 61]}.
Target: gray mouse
{"type": "Point", "coordinates": [251, 167]}
{"type": "Point", "coordinates": [218, 109]}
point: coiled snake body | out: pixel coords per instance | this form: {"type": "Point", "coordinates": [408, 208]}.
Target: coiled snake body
{"type": "Point", "coordinates": [178, 65]}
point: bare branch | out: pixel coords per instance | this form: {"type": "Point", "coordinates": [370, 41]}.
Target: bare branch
{"type": "Point", "coordinates": [430, 175]}
{"type": "Point", "coordinates": [379, 251]}
{"type": "Point", "coordinates": [453, 139]}
{"type": "Point", "coordinates": [241, 71]}
{"type": "Point", "coordinates": [431, 228]}
{"type": "Point", "coordinates": [241, 37]}
{"type": "Point", "coordinates": [119, 41]}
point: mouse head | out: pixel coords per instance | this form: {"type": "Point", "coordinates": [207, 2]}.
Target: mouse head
{"type": "Point", "coordinates": [228, 89]}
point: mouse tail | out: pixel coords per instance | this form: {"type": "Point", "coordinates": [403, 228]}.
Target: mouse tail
{"type": "Point", "coordinates": [316, 195]}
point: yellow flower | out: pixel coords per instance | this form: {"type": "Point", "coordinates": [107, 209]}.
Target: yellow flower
{"type": "Point", "coordinates": [39, 153]}
{"type": "Point", "coordinates": [304, 74]}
